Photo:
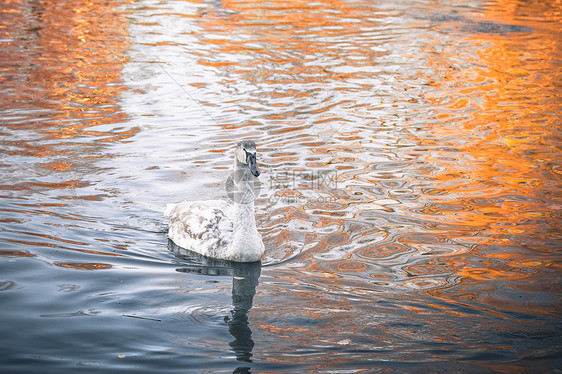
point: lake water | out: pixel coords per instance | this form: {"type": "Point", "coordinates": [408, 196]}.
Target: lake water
{"type": "Point", "coordinates": [410, 192]}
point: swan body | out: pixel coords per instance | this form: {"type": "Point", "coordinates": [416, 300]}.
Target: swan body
{"type": "Point", "coordinates": [217, 229]}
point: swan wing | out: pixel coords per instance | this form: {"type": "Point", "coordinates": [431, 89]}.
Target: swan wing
{"type": "Point", "coordinates": [204, 227]}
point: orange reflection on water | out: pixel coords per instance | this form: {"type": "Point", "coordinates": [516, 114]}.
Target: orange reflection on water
{"type": "Point", "coordinates": [84, 266]}
{"type": "Point", "coordinates": [488, 200]}
{"type": "Point", "coordinates": [62, 64]}
{"type": "Point", "coordinates": [16, 253]}
{"type": "Point", "coordinates": [504, 181]}
{"type": "Point", "coordinates": [505, 176]}
{"type": "Point", "coordinates": [61, 79]}
{"type": "Point", "coordinates": [279, 45]}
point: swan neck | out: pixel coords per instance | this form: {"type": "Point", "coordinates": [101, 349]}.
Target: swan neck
{"type": "Point", "coordinates": [244, 187]}
{"type": "Point", "coordinates": [244, 217]}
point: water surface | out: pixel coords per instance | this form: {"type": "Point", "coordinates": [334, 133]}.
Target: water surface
{"type": "Point", "coordinates": [410, 195]}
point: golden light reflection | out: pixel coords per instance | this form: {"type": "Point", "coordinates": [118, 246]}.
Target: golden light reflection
{"type": "Point", "coordinates": [484, 186]}
{"type": "Point", "coordinates": [503, 182]}
{"type": "Point", "coordinates": [84, 266]}
{"type": "Point", "coordinates": [16, 253]}
{"type": "Point", "coordinates": [61, 79]}
{"type": "Point", "coordinates": [61, 63]}
{"type": "Point", "coordinates": [279, 47]}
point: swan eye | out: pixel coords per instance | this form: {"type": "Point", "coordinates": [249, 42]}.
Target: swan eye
{"type": "Point", "coordinates": [248, 153]}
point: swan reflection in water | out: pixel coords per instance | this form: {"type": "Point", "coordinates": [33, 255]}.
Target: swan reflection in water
{"type": "Point", "coordinates": [245, 278]}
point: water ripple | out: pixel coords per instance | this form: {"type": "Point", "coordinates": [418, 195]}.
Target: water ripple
{"type": "Point", "coordinates": [410, 201]}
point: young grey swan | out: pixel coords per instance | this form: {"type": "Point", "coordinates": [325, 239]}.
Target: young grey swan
{"type": "Point", "coordinates": [217, 229]}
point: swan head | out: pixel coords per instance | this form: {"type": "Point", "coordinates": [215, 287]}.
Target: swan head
{"type": "Point", "coordinates": [246, 155]}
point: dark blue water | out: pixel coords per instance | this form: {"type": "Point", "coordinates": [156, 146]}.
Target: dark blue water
{"type": "Point", "coordinates": [410, 189]}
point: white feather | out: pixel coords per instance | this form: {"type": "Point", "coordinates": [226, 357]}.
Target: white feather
{"type": "Point", "coordinates": [201, 226]}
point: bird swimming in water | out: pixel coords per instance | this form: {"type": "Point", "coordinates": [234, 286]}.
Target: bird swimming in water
{"type": "Point", "coordinates": [217, 229]}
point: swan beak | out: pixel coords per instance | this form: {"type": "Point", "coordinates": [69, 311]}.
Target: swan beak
{"type": "Point", "coordinates": [251, 160]}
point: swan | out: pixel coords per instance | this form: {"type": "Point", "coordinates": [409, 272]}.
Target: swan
{"type": "Point", "coordinates": [217, 229]}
